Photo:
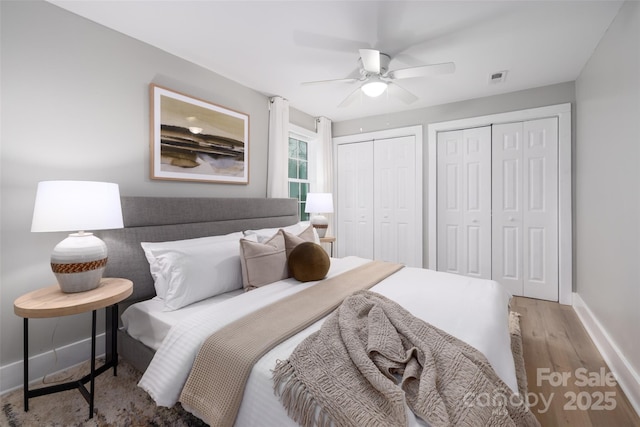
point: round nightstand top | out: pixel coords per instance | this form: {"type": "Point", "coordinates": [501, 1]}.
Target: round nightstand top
{"type": "Point", "coordinates": [52, 302]}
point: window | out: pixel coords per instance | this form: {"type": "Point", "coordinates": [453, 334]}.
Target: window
{"type": "Point", "coordinates": [299, 173]}
{"type": "Point", "coordinates": [301, 165]}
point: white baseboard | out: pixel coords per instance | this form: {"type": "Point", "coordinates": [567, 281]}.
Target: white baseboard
{"type": "Point", "coordinates": [627, 378]}
{"type": "Point", "coordinates": [11, 375]}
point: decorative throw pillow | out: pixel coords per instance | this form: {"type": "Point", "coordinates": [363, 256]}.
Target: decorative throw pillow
{"type": "Point", "coordinates": [263, 263]}
{"type": "Point", "coordinates": [292, 240]}
{"type": "Point", "coordinates": [308, 261]}
{"type": "Point", "coordinates": [265, 234]}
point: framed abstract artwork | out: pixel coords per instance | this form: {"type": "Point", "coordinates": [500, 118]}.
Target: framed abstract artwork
{"type": "Point", "coordinates": [195, 140]}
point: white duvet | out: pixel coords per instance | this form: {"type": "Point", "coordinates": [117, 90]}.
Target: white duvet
{"type": "Point", "coordinates": [473, 310]}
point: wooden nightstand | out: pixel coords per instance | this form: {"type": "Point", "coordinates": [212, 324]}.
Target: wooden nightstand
{"type": "Point", "coordinates": [52, 302]}
{"type": "Point", "coordinates": [330, 240]}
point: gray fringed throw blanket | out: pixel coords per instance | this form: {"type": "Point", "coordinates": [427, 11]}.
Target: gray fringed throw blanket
{"type": "Point", "coordinates": [371, 355]}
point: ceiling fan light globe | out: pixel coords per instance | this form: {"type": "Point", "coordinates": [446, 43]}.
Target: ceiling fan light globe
{"type": "Point", "coordinates": [374, 88]}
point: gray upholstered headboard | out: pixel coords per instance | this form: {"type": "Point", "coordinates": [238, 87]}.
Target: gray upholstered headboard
{"type": "Point", "coordinates": [158, 219]}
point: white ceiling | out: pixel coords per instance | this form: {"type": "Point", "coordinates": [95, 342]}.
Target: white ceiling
{"type": "Point", "coordinates": [274, 46]}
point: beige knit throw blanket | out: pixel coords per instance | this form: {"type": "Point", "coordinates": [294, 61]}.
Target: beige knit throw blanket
{"type": "Point", "coordinates": [371, 355]}
{"type": "Point", "coordinates": [216, 383]}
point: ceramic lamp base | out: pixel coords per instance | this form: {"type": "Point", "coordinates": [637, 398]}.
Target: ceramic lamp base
{"type": "Point", "coordinates": [78, 262]}
{"type": "Point", "coordinates": [320, 223]}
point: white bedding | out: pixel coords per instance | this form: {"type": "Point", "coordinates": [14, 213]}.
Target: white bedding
{"type": "Point", "coordinates": [149, 322]}
{"type": "Point", "coordinates": [473, 310]}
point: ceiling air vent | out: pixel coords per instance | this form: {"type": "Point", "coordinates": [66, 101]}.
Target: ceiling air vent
{"type": "Point", "coordinates": [497, 77]}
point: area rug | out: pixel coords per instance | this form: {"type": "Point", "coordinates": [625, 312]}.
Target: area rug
{"type": "Point", "coordinates": [120, 402]}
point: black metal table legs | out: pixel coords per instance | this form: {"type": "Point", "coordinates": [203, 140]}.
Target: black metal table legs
{"type": "Point", "coordinates": [111, 361]}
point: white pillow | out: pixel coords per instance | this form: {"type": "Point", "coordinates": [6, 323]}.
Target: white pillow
{"type": "Point", "coordinates": [265, 234]}
{"type": "Point", "coordinates": [153, 250]}
{"type": "Point", "coordinates": [199, 272]}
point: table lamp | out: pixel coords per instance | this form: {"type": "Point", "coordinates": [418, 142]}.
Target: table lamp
{"type": "Point", "coordinates": [79, 260]}
{"type": "Point", "coordinates": [319, 203]}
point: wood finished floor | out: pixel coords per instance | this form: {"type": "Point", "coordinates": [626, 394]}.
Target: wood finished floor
{"type": "Point", "coordinates": [554, 338]}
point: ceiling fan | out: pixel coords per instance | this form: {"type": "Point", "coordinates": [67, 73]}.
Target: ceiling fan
{"type": "Point", "coordinates": [375, 77]}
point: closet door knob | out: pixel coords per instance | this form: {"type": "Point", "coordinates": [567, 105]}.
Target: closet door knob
{"type": "Point", "coordinates": [511, 219]}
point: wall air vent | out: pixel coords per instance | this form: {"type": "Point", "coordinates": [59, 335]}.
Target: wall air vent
{"type": "Point", "coordinates": [497, 77]}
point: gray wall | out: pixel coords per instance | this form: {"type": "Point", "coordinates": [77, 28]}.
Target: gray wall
{"type": "Point", "coordinates": [608, 183]}
{"type": "Point", "coordinates": [75, 105]}
{"type": "Point", "coordinates": [539, 97]}
{"type": "Point", "coordinates": [302, 119]}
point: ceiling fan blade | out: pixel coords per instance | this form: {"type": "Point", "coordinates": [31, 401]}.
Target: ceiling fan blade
{"type": "Point", "coordinates": [423, 71]}
{"type": "Point", "coordinates": [351, 98]}
{"type": "Point", "coordinates": [401, 93]}
{"type": "Point", "coordinates": [329, 81]}
{"type": "Point", "coordinates": [370, 60]}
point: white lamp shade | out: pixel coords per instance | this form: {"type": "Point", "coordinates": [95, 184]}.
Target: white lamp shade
{"type": "Point", "coordinates": [76, 206]}
{"type": "Point", "coordinates": [79, 260]}
{"type": "Point", "coordinates": [319, 203]}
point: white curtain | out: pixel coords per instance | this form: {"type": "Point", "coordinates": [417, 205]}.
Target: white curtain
{"type": "Point", "coordinates": [277, 168]}
{"type": "Point", "coordinates": [325, 156]}
{"type": "Point", "coordinates": [324, 176]}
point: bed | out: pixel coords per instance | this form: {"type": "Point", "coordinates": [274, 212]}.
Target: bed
{"type": "Point", "coordinates": [163, 343]}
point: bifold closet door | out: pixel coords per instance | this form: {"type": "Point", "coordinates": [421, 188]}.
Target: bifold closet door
{"type": "Point", "coordinates": [395, 218]}
{"type": "Point", "coordinates": [355, 199]}
{"type": "Point", "coordinates": [464, 202]}
{"type": "Point", "coordinates": [525, 207]}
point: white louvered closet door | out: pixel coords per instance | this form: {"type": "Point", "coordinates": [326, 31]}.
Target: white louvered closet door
{"type": "Point", "coordinates": [525, 207]}
{"type": "Point", "coordinates": [464, 202]}
{"type": "Point", "coordinates": [355, 199]}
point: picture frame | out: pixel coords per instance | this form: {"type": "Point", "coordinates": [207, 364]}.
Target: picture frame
{"type": "Point", "coordinates": [196, 140]}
